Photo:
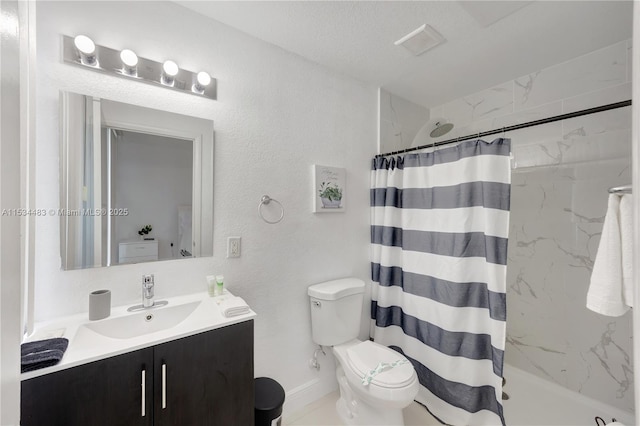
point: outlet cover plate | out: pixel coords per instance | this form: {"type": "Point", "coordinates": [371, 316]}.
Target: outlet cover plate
{"type": "Point", "coordinates": [233, 247]}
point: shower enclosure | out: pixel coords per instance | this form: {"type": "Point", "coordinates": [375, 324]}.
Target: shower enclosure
{"type": "Point", "coordinates": [560, 176]}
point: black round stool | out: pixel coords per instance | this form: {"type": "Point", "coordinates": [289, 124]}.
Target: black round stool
{"type": "Point", "coordinates": [269, 401]}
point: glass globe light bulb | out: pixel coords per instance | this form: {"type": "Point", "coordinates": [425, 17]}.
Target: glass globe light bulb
{"type": "Point", "coordinates": [203, 78]}
{"type": "Point", "coordinates": [84, 44]}
{"type": "Point", "coordinates": [170, 68]}
{"type": "Point", "coordinates": [129, 58]}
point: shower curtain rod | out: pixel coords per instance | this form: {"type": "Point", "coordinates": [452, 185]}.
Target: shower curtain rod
{"type": "Point", "coordinates": [478, 135]}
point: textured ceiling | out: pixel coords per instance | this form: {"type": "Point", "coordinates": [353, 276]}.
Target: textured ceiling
{"type": "Point", "coordinates": [486, 42]}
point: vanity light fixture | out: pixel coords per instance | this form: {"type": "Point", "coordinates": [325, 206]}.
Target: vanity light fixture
{"type": "Point", "coordinates": [83, 52]}
{"type": "Point", "coordinates": [169, 71]}
{"type": "Point", "coordinates": [203, 79]}
{"type": "Point", "coordinates": [86, 49]}
{"type": "Point", "coordinates": [129, 62]}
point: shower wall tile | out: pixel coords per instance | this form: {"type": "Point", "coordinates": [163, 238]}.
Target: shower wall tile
{"type": "Point", "coordinates": [400, 121]}
{"type": "Point", "coordinates": [556, 221]}
{"type": "Point", "coordinates": [601, 346]}
{"type": "Point", "coordinates": [605, 359]}
{"type": "Point", "coordinates": [612, 145]}
{"type": "Point", "coordinates": [597, 147]}
{"type": "Point", "coordinates": [391, 135]}
{"type": "Point", "coordinates": [551, 132]}
{"type": "Point", "coordinates": [470, 129]}
{"type": "Point", "coordinates": [486, 104]}
{"type": "Point", "coordinates": [597, 70]}
{"type": "Point", "coordinates": [558, 203]}
{"type": "Point", "coordinates": [536, 328]}
{"type": "Point", "coordinates": [609, 95]}
{"type": "Point", "coordinates": [596, 124]}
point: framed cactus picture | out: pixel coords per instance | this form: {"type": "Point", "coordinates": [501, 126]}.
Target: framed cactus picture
{"type": "Point", "coordinates": [329, 186]}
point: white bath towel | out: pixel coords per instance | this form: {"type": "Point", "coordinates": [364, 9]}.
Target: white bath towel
{"type": "Point", "coordinates": [233, 306]}
{"type": "Point", "coordinates": [611, 289]}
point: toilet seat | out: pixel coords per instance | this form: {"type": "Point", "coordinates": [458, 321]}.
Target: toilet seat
{"type": "Point", "coordinates": [365, 356]}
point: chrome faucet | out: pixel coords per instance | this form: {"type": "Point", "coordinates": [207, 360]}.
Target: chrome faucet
{"type": "Point", "coordinates": [148, 301]}
{"type": "Point", "coordinates": [147, 290]}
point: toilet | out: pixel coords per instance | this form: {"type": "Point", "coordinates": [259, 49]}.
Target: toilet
{"type": "Point", "coordinates": [336, 308]}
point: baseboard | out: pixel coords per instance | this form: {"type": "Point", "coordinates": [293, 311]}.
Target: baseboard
{"type": "Point", "coordinates": [301, 396]}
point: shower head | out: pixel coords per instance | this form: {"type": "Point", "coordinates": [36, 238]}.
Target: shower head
{"type": "Point", "coordinates": [432, 129]}
{"type": "Point", "coordinates": [440, 129]}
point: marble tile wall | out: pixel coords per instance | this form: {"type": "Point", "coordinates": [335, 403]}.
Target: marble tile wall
{"type": "Point", "coordinates": [400, 121]}
{"type": "Point", "coordinates": [559, 195]}
{"type": "Point", "coordinates": [556, 221]}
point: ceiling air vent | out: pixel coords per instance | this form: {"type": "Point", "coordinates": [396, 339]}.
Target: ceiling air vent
{"type": "Point", "coordinates": [420, 40]}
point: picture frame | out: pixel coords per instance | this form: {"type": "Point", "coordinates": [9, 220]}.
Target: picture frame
{"type": "Point", "coordinates": [329, 189]}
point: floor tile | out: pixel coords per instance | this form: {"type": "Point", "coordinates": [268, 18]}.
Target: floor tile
{"type": "Point", "coordinates": [323, 413]}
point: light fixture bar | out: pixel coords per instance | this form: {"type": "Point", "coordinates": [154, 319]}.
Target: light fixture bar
{"type": "Point", "coordinates": [148, 71]}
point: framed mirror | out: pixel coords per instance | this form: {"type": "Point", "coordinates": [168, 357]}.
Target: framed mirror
{"type": "Point", "coordinates": [136, 184]}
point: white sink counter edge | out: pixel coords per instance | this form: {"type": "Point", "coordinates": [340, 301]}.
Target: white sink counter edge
{"type": "Point", "coordinates": [94, 347]}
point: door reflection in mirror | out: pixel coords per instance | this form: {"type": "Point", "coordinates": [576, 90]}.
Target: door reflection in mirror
{"type": "Point", "coordinates": [161, 168]}
{"type": "Point", "coordinates": [136, 184]}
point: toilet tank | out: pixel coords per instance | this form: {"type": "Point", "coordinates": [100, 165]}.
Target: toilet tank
{"type": "Point", "coordinates": [336, 309]}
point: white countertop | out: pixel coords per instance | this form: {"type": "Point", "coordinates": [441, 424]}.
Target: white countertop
{"type": "Point", "coordinates": [87, 346]}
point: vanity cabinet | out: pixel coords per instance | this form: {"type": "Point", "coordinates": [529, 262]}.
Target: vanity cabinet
{"type": "Point", "coordinates": [105, 392]}
{"type": "Point", "coordinates": [208, 379]}
{"type": "Point", "coordinates": [205, 379]}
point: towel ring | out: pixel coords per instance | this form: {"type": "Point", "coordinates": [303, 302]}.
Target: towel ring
{"type": "Point", "coordinates": [266, 200]}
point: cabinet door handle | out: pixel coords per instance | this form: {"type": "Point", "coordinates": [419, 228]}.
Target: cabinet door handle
{"type": "Point", "coordinates": [164, 386]}
{"type": "Point", "coordinates": [144, 391]}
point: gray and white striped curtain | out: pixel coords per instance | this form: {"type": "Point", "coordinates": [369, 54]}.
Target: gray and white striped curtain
{"type": "Point", "coordinates": [439, 233]}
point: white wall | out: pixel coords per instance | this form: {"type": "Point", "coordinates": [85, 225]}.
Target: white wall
{"type": "Point", "coordinates": [275, 116]}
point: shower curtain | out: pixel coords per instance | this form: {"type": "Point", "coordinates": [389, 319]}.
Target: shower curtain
{"type": "Point", "coordinates": [439, 231]}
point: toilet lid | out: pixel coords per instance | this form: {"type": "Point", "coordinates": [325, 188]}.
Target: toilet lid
{"type": "Point", "coordinates": [366, 356]}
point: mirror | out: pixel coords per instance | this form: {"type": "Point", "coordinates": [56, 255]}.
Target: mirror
{"type": "Point", "coordinates": [136, 184]}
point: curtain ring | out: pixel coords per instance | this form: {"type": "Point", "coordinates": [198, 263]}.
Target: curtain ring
{"type": "Point", "coordinates": [266, 200]}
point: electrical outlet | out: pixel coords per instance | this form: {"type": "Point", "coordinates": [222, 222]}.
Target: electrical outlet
{"type": "Point", "coordinates": [233, 247]}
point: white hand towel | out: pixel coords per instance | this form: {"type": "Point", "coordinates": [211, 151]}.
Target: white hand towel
{"type": "Point", "coordinates": [611, 289]}
{"type": "Point", "coordinates": [233, 306]}
{"type": "Point", "coordinates": [626, 235]}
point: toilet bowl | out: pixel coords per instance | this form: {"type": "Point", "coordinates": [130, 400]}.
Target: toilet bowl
{"type": "Point", "coordinates": [375, 382]}
{"type": "Point", "coordinates": [382, 400]}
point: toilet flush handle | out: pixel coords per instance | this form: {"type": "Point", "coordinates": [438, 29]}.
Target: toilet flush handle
{"type": "Point", "coordinates": [316, 303]}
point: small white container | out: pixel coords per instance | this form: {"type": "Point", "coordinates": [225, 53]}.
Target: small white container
{"type": "Point", "coordinates": [211, 285]}
{"type": "Point", "coordinates": [215, 285]}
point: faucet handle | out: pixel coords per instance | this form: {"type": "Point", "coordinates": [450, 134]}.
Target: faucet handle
{"type": "Point", "coordinates": [147, 281]}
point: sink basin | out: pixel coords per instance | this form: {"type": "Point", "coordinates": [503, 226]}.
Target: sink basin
{"type": "Point", "coordinates": [140, 323]}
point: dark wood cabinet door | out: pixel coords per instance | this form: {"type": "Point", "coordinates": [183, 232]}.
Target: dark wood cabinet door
{"type": "Point", "coordinates": [208, 379]}
{"type": "Point", "coordinates": [108, 392]}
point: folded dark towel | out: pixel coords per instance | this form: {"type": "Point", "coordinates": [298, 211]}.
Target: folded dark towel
{"type": "Point", "coordinates": [42, 353]}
